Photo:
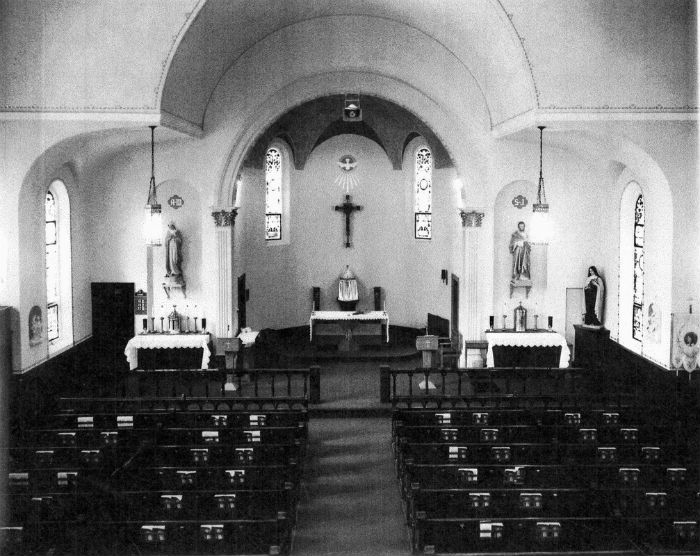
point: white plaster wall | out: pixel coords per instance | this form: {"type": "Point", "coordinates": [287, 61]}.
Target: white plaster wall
{"type": "Point", "coordinates": [572, 187]}
{"type": "Point", "coordinates": [383, 253]}
{"type": "Point", "coordinates": [118, 249]}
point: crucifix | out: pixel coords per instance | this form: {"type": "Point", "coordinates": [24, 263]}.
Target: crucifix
{"type": "Point", "coordinates": [348, 208]}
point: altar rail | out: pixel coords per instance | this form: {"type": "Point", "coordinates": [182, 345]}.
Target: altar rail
{"type": "Point", "coordinates": [208, 383]}
{"type": "Point", "coordinates": [554, 387]}
{"type": "Point", "coordinates": [406, 385]}
{"type": "Point", "coordinates": [177, 389]}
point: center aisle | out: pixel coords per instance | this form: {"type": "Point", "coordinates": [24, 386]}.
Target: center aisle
{"type": "Point", "coordinates": [350, 502]}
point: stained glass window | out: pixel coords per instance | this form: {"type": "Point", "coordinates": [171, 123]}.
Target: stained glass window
{"type": "Point", "coordinates": [424, 194]}
{"type": "Point", "coordinates": [52, 269]}
{"type": "Point", "coordinates": [638, 276]}
{"type": "Point", "coordinates": [273, 194]}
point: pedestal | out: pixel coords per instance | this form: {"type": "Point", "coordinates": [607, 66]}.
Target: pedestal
{"type": "Point", "coordinates": [475, 358]}
{"type": "Point", "coordinates": [590, 345]}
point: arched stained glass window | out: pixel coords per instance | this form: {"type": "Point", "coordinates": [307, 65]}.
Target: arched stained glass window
{"type": "Point", "coordinates": [424, 194]}
{"type": "Point", "coordinates": [53, 292]}
{"type": "Point", "coordinates": [638, 276]}
{"type": "Point", "coordinates": [273, 194]}
{"type": "Point", "coordinates": [59, 281]}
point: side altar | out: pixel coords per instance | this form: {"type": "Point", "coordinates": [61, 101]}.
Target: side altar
{"type": "Point", "coordinates": [170, 350]}
{"type": "Point", "coordinates": [531, 348]}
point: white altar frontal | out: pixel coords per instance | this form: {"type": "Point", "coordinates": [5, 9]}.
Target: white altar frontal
{"type": "Point", "coordinates": [348, 324]}
{"type": "Point", "coordinates": [166, 341]}
{"type": "Point", "coordinates": [527, 339]}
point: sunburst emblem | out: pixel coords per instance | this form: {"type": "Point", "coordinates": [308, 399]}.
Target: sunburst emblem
{"type": "Point", "coordinates": [346, 179]}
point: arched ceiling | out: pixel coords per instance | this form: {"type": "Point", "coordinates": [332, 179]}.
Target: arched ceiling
{"type": "Point", "coordinates": [310, 124]}
{"type": "Point", "coordinates": [474, 36]}
{"type": "Point", "coordinates": [162, 60]}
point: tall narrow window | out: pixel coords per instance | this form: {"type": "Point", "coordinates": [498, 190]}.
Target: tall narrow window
{"type": "Point", "coordinates": [53, 293]}
{"type": "Point", "coordinates": [638, 276]}
{"type": "Point", "coordinates": [273, 194]}
{"type": "Point", "coordinates": [424, 194]}
{"type": "Point", "coordinates": [59, 282]}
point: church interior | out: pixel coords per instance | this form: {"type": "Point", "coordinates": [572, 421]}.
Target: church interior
{"type": "Point", "coordinates": [321, 277]}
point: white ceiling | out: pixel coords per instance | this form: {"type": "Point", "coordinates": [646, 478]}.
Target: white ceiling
{"type": "Point", "coordinates": [135, 57]}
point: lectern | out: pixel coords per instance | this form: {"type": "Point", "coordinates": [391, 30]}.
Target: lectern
{"type": "Point", "coordinates": [429, 346]}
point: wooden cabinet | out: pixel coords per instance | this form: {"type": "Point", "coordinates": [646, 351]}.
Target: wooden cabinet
{"type": "Point", "coordinates": [112, 322]}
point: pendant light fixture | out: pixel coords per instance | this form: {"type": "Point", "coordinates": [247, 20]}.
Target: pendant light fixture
{"type": "Point", "coordinates": [152, 222]}
{"type": "Point", "coordinates": [540, 210]}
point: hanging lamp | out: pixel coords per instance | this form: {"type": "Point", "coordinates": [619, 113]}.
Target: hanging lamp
{"type": "Point", "coordinates": [540, 224]}
{"type": "Point", "coordinates": [152, 221]}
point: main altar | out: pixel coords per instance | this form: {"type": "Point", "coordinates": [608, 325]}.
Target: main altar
{"type": "Point", "coordinates": [348, 326]}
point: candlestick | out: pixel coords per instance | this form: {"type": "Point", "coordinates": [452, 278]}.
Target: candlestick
{"type": "Point", "coordinates": [491, 322]}
{"type": "Point", "coordinates": [188, 325]}
{"type": "Point", "coordinates": [536, 317]}
{"type": "Point", "coordinates": [195, 323]}
{"type": "Point", "coordinates": [504, 322]}
{"type": "Point", "coordinates": [153, 324]}
{"type": "Point", "coordinates": [204, 324]}
{"type": "Point", "coordinates": [161, 325]}
{"type": "Point", "coordinates": [550, 322]}
{"type": "Point", "coordinates": [145, 325]}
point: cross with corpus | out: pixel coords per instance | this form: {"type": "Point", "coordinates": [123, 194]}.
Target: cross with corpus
{"type": "Point", "coordinates": [348, 208]}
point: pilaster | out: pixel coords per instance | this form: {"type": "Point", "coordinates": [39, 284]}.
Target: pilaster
{"type": "Point", "coordinates": [472, 228]}
{"type": "Point", "coordinates": [224, 220]}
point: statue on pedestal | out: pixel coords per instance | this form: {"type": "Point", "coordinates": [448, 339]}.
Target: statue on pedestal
{"type": "Point", "coordinates": [520, 270]}
{"type": "Point", "coordinates": [593, 293]}
{"type": "Point", "coordinates": [347, 290]}
{"type": "Point", "coordinates": [520, 249]}
{"type": "Point", "coordinates": [173, 260]}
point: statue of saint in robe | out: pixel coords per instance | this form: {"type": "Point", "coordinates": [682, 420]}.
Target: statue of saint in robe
{"type": "Point", "coordinates": [173, 254]}
{"type": "Point", "coordinates": [593, 293]}
{"type": "Point", "coordinates": [520, 249]}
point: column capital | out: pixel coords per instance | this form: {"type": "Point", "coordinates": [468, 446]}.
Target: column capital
{"type": "Point", "coordinates": [471, 219]}
{"type": "Point", "coordinates": [224, 217]}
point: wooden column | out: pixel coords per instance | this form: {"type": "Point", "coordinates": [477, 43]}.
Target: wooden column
{"type": "Point", "coordinates": [224, 220]}
{"type": "Point", "coordinates": [471, 222]}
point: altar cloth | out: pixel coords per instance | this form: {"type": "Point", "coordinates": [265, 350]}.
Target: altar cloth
{"type": "Point", "coordinates": [166, 341]}
{"type": "Point", "coordinates": [527, 339]}
{"type": "Point", "coordinates": [345, 316]}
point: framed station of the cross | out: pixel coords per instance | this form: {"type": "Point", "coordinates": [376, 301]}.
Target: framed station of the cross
{"type": "Point", "coordinates": [424, 225]}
